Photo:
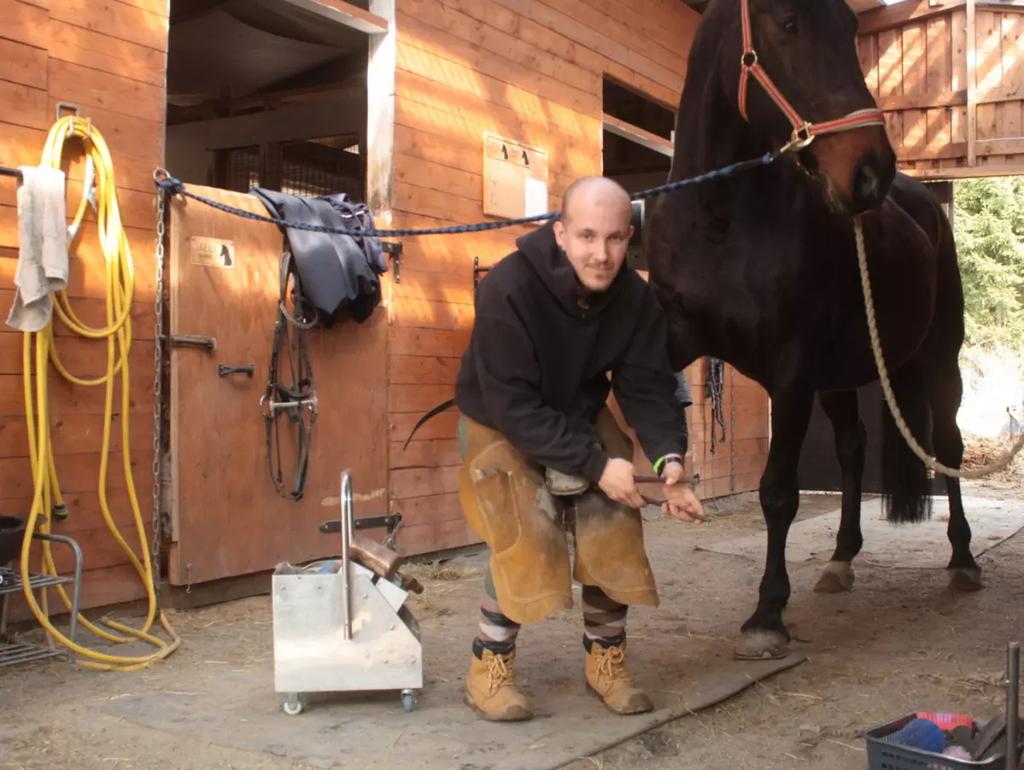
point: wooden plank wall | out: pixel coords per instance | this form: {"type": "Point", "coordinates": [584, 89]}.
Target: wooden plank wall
{"type": "Point", "coordinates": [734, 464]}
{"type": "Point", "coordinates": [108, 57]}
{"type": "Point", "coordinates": [915, 61]}
{"type": "Point", "coordinates": [531, 71]}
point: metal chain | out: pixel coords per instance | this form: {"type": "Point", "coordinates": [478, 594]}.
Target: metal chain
{"type": "Point", "coordinates": [158, 359]}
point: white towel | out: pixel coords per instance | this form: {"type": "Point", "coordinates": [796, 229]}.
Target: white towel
{"type": "Point", "coordinates": [43, 247]}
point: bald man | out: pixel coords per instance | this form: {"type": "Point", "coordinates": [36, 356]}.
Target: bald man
{"type": "Point", "coordinates": [543, 456]}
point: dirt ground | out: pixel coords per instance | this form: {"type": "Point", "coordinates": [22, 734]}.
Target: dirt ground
{"type": "Point", "coordinates": [899, 642]}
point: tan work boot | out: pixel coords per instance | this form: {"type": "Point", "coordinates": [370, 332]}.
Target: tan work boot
{"type": "Point", "coordinates": [609, 677]}
{"type": "Point", "coordinates": [491, 689]}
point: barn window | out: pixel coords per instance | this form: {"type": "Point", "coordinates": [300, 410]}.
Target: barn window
{"type": "Point", "coordinates": [638, 145]}
{"type": "Point", "coordinates": [272, 93]}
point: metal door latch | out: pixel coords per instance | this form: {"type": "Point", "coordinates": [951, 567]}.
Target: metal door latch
{"type": "Point", "coordinates": [191, 341]}
{"type": "Point", "coordinates": [223, 370]}
{"type": "Point", "coordinates": [394, 250]}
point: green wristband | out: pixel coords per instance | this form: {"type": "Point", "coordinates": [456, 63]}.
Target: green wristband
{"type": "Point", "coordinates": [660, 463]}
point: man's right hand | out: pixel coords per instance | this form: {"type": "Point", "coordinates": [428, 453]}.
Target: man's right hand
{"type": "Point", "coordinates": [618, 483]}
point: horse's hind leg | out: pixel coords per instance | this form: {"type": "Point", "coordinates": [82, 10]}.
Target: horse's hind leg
{"type": "Point", "coordinates": [945, 391]}
{"type": "Point", "coordinates": [851, 438]}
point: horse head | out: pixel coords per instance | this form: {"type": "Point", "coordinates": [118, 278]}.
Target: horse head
{"type": "Point", "coordinates": [798, 78]}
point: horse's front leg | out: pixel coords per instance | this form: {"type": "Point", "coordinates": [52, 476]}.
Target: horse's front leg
{"type": "Point", "coordinates": [764, 634]}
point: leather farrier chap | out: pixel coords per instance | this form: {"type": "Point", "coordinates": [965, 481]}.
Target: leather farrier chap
{"type": "Point", "coordinates": [510, 506]}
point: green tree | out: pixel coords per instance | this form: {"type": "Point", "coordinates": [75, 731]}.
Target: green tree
{"type": "Point", "coordinates": [989, 230]}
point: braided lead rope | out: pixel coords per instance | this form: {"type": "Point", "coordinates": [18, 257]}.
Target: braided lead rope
{"type": "Point", "coordinates": [174, 186]}
{"type": "Point", "coordinates": [890, 398]}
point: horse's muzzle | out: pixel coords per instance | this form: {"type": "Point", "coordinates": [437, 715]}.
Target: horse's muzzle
{"type": "Point", "coordinates": [871, 180]}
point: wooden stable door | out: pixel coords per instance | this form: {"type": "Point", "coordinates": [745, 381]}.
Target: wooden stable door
{"type": "Point", "coordinates": [227, 518]}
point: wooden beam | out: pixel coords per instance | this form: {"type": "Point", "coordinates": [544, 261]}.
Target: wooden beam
{"type": "Point", "coordinates": [380, 117]}
{"type": "Point", "coordinates": [1002, 6]}
{"type": "Point", "coordinates": [267, 101]}
{"type": "Point", "coordinates": [345, 13]}
{"type": "Point", "coordinates": [1009, 146]}
{"type": "Point", "coordinates": [300, 120]}
{"type": "Point", "coordinates": [942, 152]}
{"type": "Point", "coordinates": [965, 172]}
{"type": "Point", "coordinates": [972, 84]}
{"type": "Point", "coordinates": [984, 149]}
{"type": "Point", "coordinates": [637, 135]}
{"type": "Point", "coordinates": [902, 13]}
{"type": "Point", "coordinates": [1001, 92]}
{"type": "Point", "coordinates": [274, 99]}
{"type": "Point", "coordinates": [940, 99]}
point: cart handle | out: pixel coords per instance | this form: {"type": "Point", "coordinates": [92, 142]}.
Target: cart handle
{"type": "Point", "coordinates": [346, 539]}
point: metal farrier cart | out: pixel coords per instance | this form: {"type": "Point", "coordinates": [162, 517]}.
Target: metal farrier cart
{"type": "Point", "coordinates": [341, 625]}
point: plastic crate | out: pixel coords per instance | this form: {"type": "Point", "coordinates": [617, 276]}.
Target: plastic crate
{"type": "Point", "coordinates": [883, 755]}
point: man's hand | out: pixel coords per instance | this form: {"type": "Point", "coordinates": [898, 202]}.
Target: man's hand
{"type": "Point", "coordinates": [617, 482]}
{"type": "Point", "coordinates": [673, 473]}
{"type": "Point", "coordinates": [681, 502]}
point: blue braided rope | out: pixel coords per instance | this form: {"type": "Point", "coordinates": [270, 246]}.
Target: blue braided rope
{"type": "Point", "coordinates": [174, 186]}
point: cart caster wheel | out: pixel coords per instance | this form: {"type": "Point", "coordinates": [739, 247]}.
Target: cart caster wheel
{"type": "Point", "coordinates": [408, 700]}
{"type": "Point", "coordinates": [293, 705]}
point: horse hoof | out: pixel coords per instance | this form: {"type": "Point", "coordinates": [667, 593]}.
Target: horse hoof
{"type": "Point", "coordinates": [965, 580]}
{"type": "Point", "coordinates": [837, 578]}
{"type": "Point", "coordinates": [762, 645]}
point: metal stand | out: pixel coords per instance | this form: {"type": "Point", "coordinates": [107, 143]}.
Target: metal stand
{"type": "Point", "coordinates": [12, 653]}
{"type": "Point", "coordinates": [339, 627]}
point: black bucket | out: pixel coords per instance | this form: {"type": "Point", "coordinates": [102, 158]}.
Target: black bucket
{"type": "Point", "coordinates": [12, 532]}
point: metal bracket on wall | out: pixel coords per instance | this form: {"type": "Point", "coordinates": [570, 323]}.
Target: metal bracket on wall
{"type": "Point", "coordinates": [61, 107]}
{"type": "Point", "coordinates": [390, 521]}
{"type": "Point", "coordinates": [477, 270]}
{"type": "Point", "coordinates": [394, 250]}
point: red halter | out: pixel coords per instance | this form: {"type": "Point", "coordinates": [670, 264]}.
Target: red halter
{"type": "Point", "coordinates": [804, 131]}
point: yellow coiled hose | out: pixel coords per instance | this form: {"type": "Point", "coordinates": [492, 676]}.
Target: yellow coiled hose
{"type": "Point", "coordinates": [38, 350]}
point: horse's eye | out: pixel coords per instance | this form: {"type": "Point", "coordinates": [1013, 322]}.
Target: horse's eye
{"type": "Point", "coordinates": [790, 26]}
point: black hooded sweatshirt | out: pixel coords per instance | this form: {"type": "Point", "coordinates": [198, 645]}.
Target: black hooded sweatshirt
{"type": "Point", "coordinates": [536, 369]}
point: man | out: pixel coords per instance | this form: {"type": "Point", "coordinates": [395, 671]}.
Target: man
{"type": "Point", "coordinates": [543, 455]}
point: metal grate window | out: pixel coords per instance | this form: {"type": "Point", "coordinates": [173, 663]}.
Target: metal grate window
{"type": "Point", "coordinates": [322, 166]}
{"type": "Point", "coordinates": [241, 168]}
{"type": "Point", "coordinates": [308, 167]}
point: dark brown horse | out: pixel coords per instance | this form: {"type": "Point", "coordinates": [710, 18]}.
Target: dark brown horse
{"type": "Point", "coordinates": [760, 270]}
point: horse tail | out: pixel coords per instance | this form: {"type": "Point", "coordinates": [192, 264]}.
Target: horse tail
{"type": "Point", "coordinates": [905, 484]}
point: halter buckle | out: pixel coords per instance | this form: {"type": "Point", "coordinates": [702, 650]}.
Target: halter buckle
{"type": "Point", "coordinates": [748, 60]}
{"type": "Point", "coordinates": [802, 137]}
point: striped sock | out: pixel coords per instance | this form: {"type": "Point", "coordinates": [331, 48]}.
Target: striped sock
{"type": "Point", "coordinates": [497, 632]}
{"type": "Point", "coordinates": [604, 619]}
